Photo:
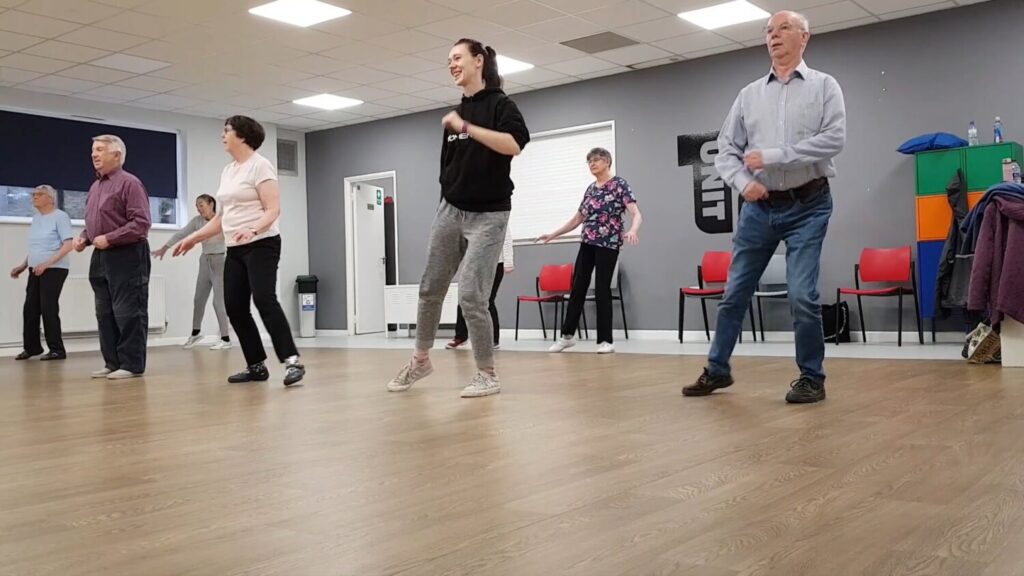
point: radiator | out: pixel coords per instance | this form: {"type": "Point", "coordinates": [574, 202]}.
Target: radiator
{"type": "Point", "coordinates": [78, 308]}
{"type": "Point", "coordinates": [400, 304]}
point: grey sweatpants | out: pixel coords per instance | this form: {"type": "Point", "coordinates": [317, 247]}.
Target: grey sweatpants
{"type": "Point", "coordinates": [473, 239]}
{"type": "Point", "coordinates": [211, 276]}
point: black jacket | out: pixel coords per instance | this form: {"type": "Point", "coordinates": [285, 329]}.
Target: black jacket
{"type": "Point", "coordinates": [475, 178]}
{"type": "Point", "coordinates": [955, 265]}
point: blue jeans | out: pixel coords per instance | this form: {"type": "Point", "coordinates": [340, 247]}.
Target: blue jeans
{"type": "Point", "coordinates": [762, 225]}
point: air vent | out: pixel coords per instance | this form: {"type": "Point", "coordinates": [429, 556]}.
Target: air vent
{"type": "Point", "coordinates": [288, 157]}
{"type": "Point", "coordinates": [599, 42]}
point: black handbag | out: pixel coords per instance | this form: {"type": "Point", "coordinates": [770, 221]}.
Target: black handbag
{"type": "Point", "coordinates": [828, 322]}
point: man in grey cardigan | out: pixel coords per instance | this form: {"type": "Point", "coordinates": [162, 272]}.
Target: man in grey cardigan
{"type": "Point", "coordinates": [211, 274]}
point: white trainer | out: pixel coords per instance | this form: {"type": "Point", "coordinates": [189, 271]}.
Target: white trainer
{"type": "Point", "coordinates": [122, 375]}
{"type": "Point", "coordinates": [563, 344]}
{"type": "Point", "coordinates": [192, 341]}
{"type": "Point", "coordinates": [101, 373]}
{"type": "Point", "coordinates": [482, 385]}
{"type": "Point", "coordinates": [408, 376]}
{"type": "Point", "coordinates": [222, 345]}
{"type": "Point", "coordinates": [605, 348]}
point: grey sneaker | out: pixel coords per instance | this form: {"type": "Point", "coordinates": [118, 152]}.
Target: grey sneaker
{"type": "Point", "coordinates": [408, 376]}
{"type": "Point", "coordinates": [192, 341]}
{"type": "Point", "coordinates": [482, 385]}
{"type": "Point", "coordinates": [563, 343]}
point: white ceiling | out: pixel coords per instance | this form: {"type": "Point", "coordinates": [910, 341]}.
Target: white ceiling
{"type": "Point", "coordinates": [389, 53]}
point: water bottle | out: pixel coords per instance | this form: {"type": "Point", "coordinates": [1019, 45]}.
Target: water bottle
{"type": "Point", "coordinates": [1015, 172]}
{"type": "Point", "coordinates": [1008, 169]}
{"type": "Point", "coordinates": [997, 131]}
{"type": "Point", "coordinates": [972, 134]}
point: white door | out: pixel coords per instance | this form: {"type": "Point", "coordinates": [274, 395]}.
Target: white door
{"type": "Point", "coordinates": [368, 219]}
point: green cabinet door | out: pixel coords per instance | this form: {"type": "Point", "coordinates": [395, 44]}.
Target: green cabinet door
{"type": "Point", "coordinates": [985, 163]}
{"type": "Point", "coordinates": [936, 168]}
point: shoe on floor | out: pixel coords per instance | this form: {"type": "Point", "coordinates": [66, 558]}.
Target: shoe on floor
{"type": "Point", "coordinates": [26, 355]}
{"type": "Point", "coordinates": [122, 375]}
{"type": "Point", "coordinates": [409, 374]}
{"type": "Point", "coordinates": [192, 341]}
{"type": "Point", "coordinates": [706, 384]}
{"type": "Point", "coordinates": [293, 373]}
{"type": "Point", "coordinates": [222, 345]}
{"type": "Point", "coordinates": [254, 373]}
{"type": "Point", "coordinates": [53, 356]}
{"type": "Point", "coordinates": [482, 385]}
{"type": "Point", "coordinates": [805, 390]}
{"type": "Point", "coordinates": [496, 346]}
{"type": "Point", "coordinates": [455, 344]}
{"type": "Point", "coordinates": [605, 348]}
{"type": "Point", "coordinates": [564, 343]}
{"type": "Point", "coordinates": [101, 373]}
{"type": "Point", "coordinates": [984, 345]}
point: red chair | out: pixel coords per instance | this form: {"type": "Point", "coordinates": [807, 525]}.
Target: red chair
{"type": "Point", "coordinates": [884, 265]}
{"type": "Point", "coordinates": [714, 269]}
{"type": "Point", "coordinates": [555, 281]}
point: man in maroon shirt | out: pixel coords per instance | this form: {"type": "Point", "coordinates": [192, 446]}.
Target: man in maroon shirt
{"type": "Point", "coordinates": [117, 222]}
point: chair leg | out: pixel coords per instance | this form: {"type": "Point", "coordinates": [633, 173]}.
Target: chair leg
{"type": "Point", "coordinates": [760, 317]}
{"type": "Point", "coordinates": [753, 325]}
{"type": "Point", "coordinates": [933, 329]}
{"type": "Point", "coordinates": [622, 307]}
{"type": "Point", "coordinates": [586, 331]}
{"type": "Point", "coordinates": [838, 302]}
{"type": "Point", "coordinates": [543, 329]}
{"type": "Point", "coordinates": [707, 327]}
{"type": "Point", "coordinates": [682, 299]}
{"type": "Point", "coordinates": [860, 312]}
{"type": "Point", "coordinates": [518, 302]}
{"type": "Point", "coordinates": [899, 321]}
{"type": "Point", "coordinates": [917, 320]}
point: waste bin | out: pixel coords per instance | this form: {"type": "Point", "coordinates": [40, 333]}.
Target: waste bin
{"type": "Point", "coordinates": [307, 305]}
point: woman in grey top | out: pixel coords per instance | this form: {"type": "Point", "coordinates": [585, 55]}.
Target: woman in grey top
{"type": "Point", "coordinates": [211, 273]}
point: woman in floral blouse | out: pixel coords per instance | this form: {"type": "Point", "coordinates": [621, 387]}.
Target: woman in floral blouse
{"type": "Point", "coordinates": [600, 213]}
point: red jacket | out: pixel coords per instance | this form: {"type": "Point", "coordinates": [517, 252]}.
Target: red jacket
{"type": "Point", "coordinates": [997, 277]}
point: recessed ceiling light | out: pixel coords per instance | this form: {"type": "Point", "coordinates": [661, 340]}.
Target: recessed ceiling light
{"type": "Point", "coordinates": [508, 65]}
{"type": "Point", "coordinates": [736, 12]}
{"type": "Point", "coordinates": [299, 12]}
{"type": "Point", "coordinates": [328, 102]}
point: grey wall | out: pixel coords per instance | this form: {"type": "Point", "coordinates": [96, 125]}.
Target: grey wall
{"type": "Point", "coordinates": [902, 78]}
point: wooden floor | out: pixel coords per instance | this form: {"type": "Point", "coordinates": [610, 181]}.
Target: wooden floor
{"type": "Point", "coordinates": [584, 465]}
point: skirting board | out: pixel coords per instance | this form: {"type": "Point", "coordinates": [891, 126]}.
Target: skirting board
{"type": "Point", "coordinates": [699, 336]}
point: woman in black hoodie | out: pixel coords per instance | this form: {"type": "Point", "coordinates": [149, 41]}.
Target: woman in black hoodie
{"type": "Point", "coordinates": [480, 138]}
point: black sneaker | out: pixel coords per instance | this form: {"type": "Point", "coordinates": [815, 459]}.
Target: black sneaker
{"type": "Point", "coordinates": [23, 355]}
{"type": "Point", "coordinates": [707, 384]}
{"type": "Point", "coordinates": [53, 356]}
{"type": "Point", "coordinates": [254, 373]}
{"type": "Point", "coordinates": [805, 390]}
{"type": "Point", "coordinates": [293, 373]}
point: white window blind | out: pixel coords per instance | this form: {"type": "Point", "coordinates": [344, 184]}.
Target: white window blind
{"type": "Point", "coordinates": [551, 176]}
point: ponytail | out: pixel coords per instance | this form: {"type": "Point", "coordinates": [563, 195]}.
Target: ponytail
{"type": "Point", "coordinates": [490, 69]}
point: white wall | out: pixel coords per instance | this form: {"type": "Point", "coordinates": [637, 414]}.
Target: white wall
{"type": "Point", "coordinates": [202, 162]}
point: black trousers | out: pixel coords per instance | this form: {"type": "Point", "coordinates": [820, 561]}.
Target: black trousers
{"type": "Point", "coordinates": [250, 273]}
{"type": "Point", "coordinates": [462, 331]}
{"type": "Point", "coordinates": [604, 260]}
{"type": "Point", "coordinates": [120, 283]}
{"type": "Point", "coordinates": [42, 300]}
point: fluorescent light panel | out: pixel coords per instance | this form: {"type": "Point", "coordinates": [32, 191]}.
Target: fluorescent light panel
{"type": "Point", "coordinates": [508, 65]}
{"type": "Point", "coordinates": [303, 13]}
{"type": "Point", "coordinates": [722, 15]}
{"type": "Point", "coordinates": [328, 102]}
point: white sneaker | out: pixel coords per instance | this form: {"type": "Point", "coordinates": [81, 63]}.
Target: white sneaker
{"type": "Point", "coordinates": [222, 345]}
{"type": "Point", "coordinates": [408, 376]}
{"type": "Point", "coordinates": [563, 344]}
{"type": "Point", "coordinates": [101, 373]}
{"type": "Point", "coordinates": [192, 341]}
{"type": "Point", "coordinates": [605, 348]}
{"type": "Point", "coordinates": [497, 347]}
{"type": "Point", "coordinates": [122, 375]}
{"type": "Point", "coordinates": [482, 385]}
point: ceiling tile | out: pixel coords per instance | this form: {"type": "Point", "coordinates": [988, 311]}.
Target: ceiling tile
{"type": "Point", "coordinates": [120, 93]}
{"type": "Point", "coordinates": [82, 11]}
{"type": "Point", "coordinates": [362, 75]}
{"type": "Point", "coordinates": [518, 13]}
{"type": "Point", "coordinates": [633, 54]}
{"type": "Point", "coordinates": [832, 13]}
{"type": "Point", "coordinates": [359, 27]}
{"type": "Point", "coordinates": [555, 82]}
{"type": "Point", "coordinates": [439, 76]}
{"type": "Point", "coordinates": [315, 64]}
{"type": "Point", "coordinates": [291, 109]}
{"type": "Point", "coordinates": [600, 73]}
{"type": "Point", "coordinates": [96, 74]}
{"type": "Point", "coordinates": [64, 51]}
{"type": "Point", "coordinates": [34, 63]}
{"type": "Point", "coordinates": [412, 41]}
{"type": "Point", "coordinates": [581, 66]}
{"type": "Point", "coordinates": [188, 74]}
{"type": "Point", "coordinates": [562, 29]}
{"type": "Point", "coordinates": [16, 21]}
{"type": "Point", "coordinates": [152, 83]}
{"type": "Point", "coordinates": [140, 24]}
{"type": "Point", "coordinates": [405, 65]}
{"type": "Point", "coordinates": [746, 32]}
{"type": "Point", "coordinates": [214, 109]}
{"type": "Point", "coordinates": [309, 40]}
{"type": "Point", "coordinates": [251, 101]}
{"type": "Point", "coordinates": [196, 11]}
{"type": "Point", "coordinates": [267, 116]}
{"type": "Point", "coordinates": [300, 123]}
{"type": "Point", "coordinates": [408, 13]}
{"type": "Point", "coordinates": [660, 29]}
{"type": "Point", "coordinates": [323, 84]}
{"type": "Point", "coordinates": [126, 4]}
{"type": "Point", "coordinates": [286, 93]}
{"type": "Point", "coordinates": [130, 63]}
{"type": "Point", "coordinates": [60, 84]}
{"type": "Point", "coordinates": [167, 101]}
{"type": "Point", "coordinates": [542, 55]}
{"type": "Point", "coordinates": [335, 115]}
{"type": "Point", "coordinates": [11, 76]}
{"type": "Point", "coordinates": [441, 94]}
{"type": "Point", "coordinates": [535, 75]}
{"type": "Point", "coordinates": [623, 14]}
{"type": "Point", "coordinates": [369, 109]}
{"type": "Point", "coordinates": [842, 25]}
{"type": "Point", "coordinates": [577, 6]}
{"type": "Point", "coordinates": [369, 93]}
{"type": "Point", "coordinates": [161, 51]}
{"type": "Point", "coordinates": [103, 39]}
{"type": "Point", "coordinates": [207, 91]}
{"type": "Point", "coordinates": [883, 6]}
{"type": "Point", "coordinates": [468, 5]}
{"type": "Point", "coordinates": [14, 41]}
{"type": "Point", "coordinates": [405, 101]}
{"type": "Point", "coordinates": [360, 53]}
{"type": "Point", "coordinates": [463, 26]}
{"type": "Point", "coordinates": [405, 85]}
{"type": "Point", "coordinates": [917, 10]}
{"type": "Point", "coordinates": [693, 42]}
{"type": "Point", "coordinates": [710, 51]}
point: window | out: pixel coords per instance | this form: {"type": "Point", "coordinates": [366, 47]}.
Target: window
{"type": "Point", "coordinates": [46, 150]}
